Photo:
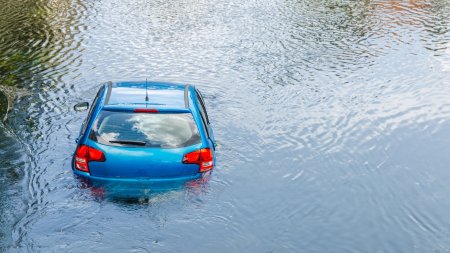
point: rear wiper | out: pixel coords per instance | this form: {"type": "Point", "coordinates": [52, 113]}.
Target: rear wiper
{"type": "Point", "coordinates": [138, 143]}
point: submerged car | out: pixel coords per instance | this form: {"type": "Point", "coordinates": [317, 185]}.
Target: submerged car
{"type": "Point", "coordinates": [145, 131]}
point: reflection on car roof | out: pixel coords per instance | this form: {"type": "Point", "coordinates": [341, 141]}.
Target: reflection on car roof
{"type": "Point", "coordinates": [133, 94]}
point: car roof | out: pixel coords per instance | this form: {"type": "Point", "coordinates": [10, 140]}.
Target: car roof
{"type": "Point", "coordinates": [133, 95]}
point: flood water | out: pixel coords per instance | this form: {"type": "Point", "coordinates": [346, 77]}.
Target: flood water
{"type": "Point", "coordinates": [332, 118]}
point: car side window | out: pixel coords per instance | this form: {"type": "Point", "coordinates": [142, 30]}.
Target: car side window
{"type": "Point", "coordinates": [91, 110]}
{"type": "Point", "coordinates": [202, 104]}
{"type": "Point", "coordinates": [203, 113]}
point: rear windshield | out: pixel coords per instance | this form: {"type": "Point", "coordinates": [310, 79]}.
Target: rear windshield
{"type": "Point", "coordinates": [163, 130]}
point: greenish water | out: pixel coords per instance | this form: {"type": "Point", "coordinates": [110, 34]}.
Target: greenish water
{"type": "Point", "coordinates": [333, 119]}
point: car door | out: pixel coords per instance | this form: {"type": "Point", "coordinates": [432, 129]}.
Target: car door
{"type": "Point", "coordinates": [205, 118]}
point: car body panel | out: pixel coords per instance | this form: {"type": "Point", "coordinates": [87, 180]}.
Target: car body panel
{"type": "Point", "coordinates": [142, 162]}
{"type": "Point", "coordinates": [133, 94]}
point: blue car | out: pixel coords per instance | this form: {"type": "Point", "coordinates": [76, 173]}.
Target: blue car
{"type": "Point", "coordinates": [138, 131]}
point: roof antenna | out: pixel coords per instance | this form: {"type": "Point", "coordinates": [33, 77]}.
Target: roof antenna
{"type": "Point", "coordinates": [146, 93]}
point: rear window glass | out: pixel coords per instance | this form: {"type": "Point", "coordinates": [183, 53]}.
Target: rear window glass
{"type": "Point", "coordinates": [163, 130]}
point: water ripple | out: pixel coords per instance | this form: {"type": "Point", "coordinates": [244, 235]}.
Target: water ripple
{"type": "Point", "coordinates": [331, 118]}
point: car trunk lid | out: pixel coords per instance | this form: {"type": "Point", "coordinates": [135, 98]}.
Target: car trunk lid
{"type": "Point", "coordinates": [142, 162]}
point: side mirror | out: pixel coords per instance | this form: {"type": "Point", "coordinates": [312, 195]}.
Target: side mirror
{"type": "Point", "coordinates": [83, 106]}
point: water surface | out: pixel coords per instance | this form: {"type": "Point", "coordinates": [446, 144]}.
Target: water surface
{"type": "Point", "coordinates": [333, 119]}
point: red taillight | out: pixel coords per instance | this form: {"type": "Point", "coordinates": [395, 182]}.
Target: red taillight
{"type": "Point", "coordinates": [202, 157]}
{"type": "Point", "coordinates": [96, 155]}
{"type": "Point", "coordinates": [146, 110]}
{"type": "Point", "coordinates": [85, 154]}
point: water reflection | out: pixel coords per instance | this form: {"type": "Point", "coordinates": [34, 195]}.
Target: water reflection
{"type": "Point", "coordinates": [4, 105]}
{"type": "Point", "coordinates": [143, 191]}
{"type": "Point", "coordinates": [12, 197]}
{"type": "Point", "coordinates": [333, 118]}
{"type": "Point", "coordinates": [37, 45]}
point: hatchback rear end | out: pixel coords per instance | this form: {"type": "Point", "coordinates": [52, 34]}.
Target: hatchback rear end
{"type": "Point", "coordinates": [127, 143]}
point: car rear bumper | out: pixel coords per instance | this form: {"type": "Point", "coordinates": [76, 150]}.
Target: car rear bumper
{"type": "Point", "coordinates": [137, 180]}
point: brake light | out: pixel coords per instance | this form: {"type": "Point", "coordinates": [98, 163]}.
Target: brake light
{"type": "Point", "coordinates": [146, 110]}
{"type": "Point", "coordinates": [86, 154]}
{"type": "Point", "coordinates": [202, 157]}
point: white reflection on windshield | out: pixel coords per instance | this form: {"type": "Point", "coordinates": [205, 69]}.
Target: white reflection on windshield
{"type": "Point", "coordinates": [163, 128]}
{"type": "Point", "coordinates": [156, 130]}
{"type": "Point", "coordinates": [110, 136]}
